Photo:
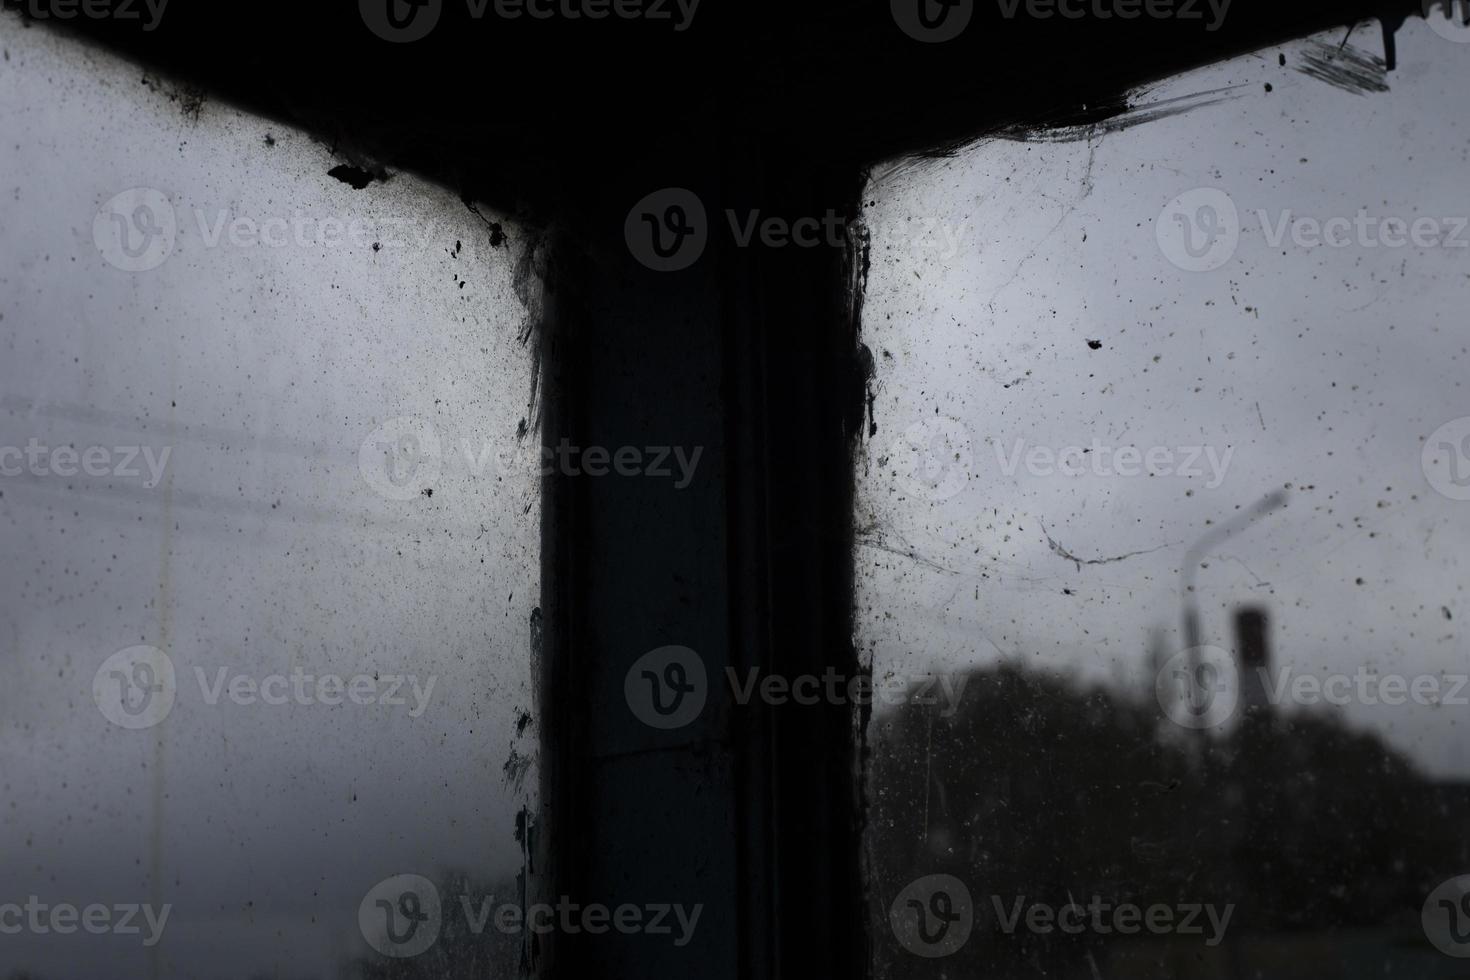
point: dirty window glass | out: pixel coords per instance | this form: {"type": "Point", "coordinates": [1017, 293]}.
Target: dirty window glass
{"type": "Point", "coordinates": [1167, 491]}
{"type": "Point", "coordinates": [268, 603]}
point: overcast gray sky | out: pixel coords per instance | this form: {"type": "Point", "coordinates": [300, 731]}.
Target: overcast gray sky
{"type": "Point", "coordinates": [1320, 369]}
{"type": "Point", "coordinates": [264, 369]}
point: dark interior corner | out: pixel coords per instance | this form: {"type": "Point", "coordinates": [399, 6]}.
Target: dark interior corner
{"type": "Point", "coordinates": [755, 354]}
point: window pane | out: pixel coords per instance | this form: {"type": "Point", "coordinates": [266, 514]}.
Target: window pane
{"type": "Point", "coordinates": [271, 520]}
{"type": "Point", "coordinates": [1167, 487]}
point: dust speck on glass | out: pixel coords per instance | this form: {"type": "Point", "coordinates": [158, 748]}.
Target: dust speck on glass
{"type": "Point", "coordinates": [270, 515]}
{"type": "Point", "coordinates": [1168, 485]}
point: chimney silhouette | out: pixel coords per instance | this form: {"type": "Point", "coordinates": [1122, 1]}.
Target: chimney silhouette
{"type": "Point", "coordinates": [1252, 647]}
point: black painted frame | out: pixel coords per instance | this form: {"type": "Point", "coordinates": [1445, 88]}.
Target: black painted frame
{"type": "Point", "coordinates": [753, 354]}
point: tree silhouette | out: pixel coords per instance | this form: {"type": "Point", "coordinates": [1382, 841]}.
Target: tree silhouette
{"type": "Point", "coordinates": [1038, 788]}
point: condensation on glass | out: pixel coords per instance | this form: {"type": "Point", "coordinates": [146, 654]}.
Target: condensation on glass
{"type": "Point", "coordinates": [1168, 487]}
{"type": "Point", "coordinates": [270, 518]}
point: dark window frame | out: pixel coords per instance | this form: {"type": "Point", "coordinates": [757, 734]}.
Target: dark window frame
{"type": "Point", "coordinates": [757, 354]}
